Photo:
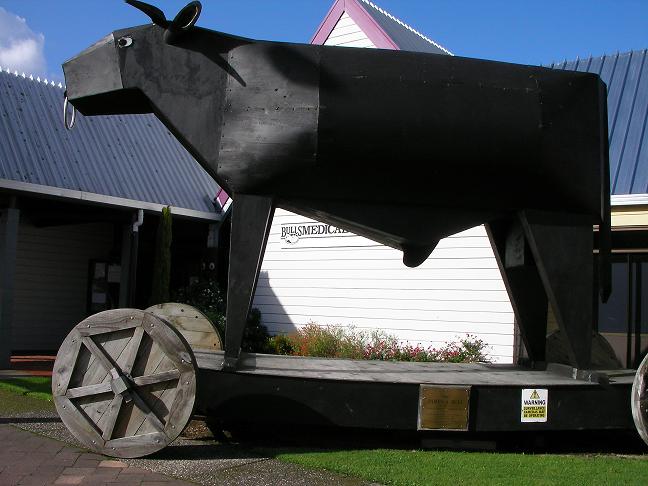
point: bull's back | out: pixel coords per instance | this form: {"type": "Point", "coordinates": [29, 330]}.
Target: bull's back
{"type": "Point", "coordinates": [342, 124]}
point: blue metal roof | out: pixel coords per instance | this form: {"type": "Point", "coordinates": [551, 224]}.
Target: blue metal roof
{"type": "Point", "coordinates": [404, 36]}
{"type": "Point", "coordinates": [126, 156]}
{"type": "Point", "coordinates": [626, 76]}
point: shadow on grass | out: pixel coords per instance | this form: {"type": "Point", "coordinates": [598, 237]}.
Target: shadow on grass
{"type": "Point", "coordinates": [268, 441]}
{"type": "Point", "coordinates": [29, 420]}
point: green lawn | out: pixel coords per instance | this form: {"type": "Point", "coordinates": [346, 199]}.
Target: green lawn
{"type": "Point", "coordinates": [399, 467]}
{"type": "Point", "coordinates": [32, 386]}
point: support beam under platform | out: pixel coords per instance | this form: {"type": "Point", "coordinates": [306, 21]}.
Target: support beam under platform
{"type": "Point", "coordinates": [523, 284]}
{"type": "Point", "coordinates": [251, 221]}
{"type": "Point", "coordinates": [562, 246]}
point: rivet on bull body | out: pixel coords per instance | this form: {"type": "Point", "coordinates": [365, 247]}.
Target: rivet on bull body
{"type": "Point", "coordinates": [403, 148]}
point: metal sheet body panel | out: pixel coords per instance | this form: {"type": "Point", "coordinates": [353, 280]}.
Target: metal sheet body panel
{"type": "Point", "coordinates": [269, 137]}
{"type": "Point", "coordinates": [108, 77]}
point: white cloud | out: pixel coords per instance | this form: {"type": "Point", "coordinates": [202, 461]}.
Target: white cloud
{"type": "Point", "coordinates": [21, 49]}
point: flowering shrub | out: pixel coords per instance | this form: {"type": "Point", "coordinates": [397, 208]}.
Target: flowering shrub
{"type": "Point", "coordinates": [321, 342]}
{"type": "Point", "coordinates": [337, 342]}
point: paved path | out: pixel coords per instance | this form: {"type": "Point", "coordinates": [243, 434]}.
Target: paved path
{"type": "Point", "coordinates": [33, 460]}
{"type": "Point", "coordinates": [33, 441]}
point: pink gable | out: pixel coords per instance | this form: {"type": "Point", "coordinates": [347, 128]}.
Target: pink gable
{"type": "Point", "coordinates": [360, 16]}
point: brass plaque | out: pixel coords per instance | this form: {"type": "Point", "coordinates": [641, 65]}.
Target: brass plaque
{"type": "Point", "coordinates": [443, 407]}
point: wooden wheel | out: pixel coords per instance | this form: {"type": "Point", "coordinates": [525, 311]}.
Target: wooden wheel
{"type": "Point", "coordinates": [194, 326]}
{"type": "Point", "coordinates": [639, 400]}
{"type": "Point", "coordinates": [124, 383]}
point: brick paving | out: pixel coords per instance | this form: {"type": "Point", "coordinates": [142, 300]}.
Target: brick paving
{"type": "Point", "coordinates": [33, 460]}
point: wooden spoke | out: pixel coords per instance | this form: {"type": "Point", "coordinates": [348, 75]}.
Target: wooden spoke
{"type": "Point", "coordinates": [133, 348]}
{"type": "Point", "coordinates": [99, 353]}
{"type": "Point", "coordinates": [85, 391]}
{"type": "Point", "coordinates": [141, 404]}
{"type": "Point", "coordinates": [110, 417]}
{"type": "Point", "coordinates": [124, 383]}
{"type": "Point", "coordinates": [157, 378]}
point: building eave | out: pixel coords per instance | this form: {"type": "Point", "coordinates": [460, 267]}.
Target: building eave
{"type": "Point", "coordinates": [101, 199]}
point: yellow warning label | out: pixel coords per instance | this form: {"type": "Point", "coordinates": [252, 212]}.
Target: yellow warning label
{"type": "Point", "coordinates": [534, 405]}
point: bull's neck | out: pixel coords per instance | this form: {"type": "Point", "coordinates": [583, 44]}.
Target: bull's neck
{"type": "Point", "coordinates": [194, 115]}
{"type": "Point", "coordinates": [186, 88]}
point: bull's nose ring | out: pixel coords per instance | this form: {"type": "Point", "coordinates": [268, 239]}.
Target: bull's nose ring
{"type": "Point", "coordinates": [68, 123]}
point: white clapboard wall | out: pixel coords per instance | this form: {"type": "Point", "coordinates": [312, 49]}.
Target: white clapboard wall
{"type": "Point", "coordinates": [336, 278]}
{"type": "Point", "coordinates": [348, 34]}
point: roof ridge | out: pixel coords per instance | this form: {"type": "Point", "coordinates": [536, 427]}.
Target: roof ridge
{"type": "Point", "coordinates": [32, 78]}
{"type": "Point", "coordinates": [408, 27]}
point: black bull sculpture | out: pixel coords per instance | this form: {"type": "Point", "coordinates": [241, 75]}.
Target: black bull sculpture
{"type": "Point", "coordinates": [403, 148]}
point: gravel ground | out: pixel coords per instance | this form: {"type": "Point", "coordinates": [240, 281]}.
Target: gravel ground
{"type": "Point", "coordinates": [203, 461]}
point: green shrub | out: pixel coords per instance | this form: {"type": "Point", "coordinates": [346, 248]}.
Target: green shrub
{"type": "Point", "coordinates": [256, 338]}
{"type": "Point", "coordinates": [281, 344]}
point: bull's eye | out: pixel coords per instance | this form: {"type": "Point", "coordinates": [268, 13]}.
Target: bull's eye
{"type": "Point", "coordinates": [124, 41]}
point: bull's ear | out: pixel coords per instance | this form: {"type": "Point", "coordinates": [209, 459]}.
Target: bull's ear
{"type": "Point", "coordinates": [183, 22]}
{"type": "Point", "coordinates": [156, 15]}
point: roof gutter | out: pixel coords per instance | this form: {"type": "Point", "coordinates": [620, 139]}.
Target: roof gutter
{"type": "Point", "coordinates": [629, 200]}
{"type": "Point", "coordinates": [111, 201]}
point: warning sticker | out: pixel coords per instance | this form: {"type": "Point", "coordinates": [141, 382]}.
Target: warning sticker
{"type": "Point", "coordinates": [534, 405]}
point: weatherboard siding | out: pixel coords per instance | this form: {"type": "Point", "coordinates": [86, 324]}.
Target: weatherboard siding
{"type": "Point", "coordinates": [342, 279]}
{"type": "Point", "coordinates": [347, 33]}
{"type": "Point", "coordinates": [51, 280]}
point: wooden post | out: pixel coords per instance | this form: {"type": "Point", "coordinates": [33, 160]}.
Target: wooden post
{"type": "Point", "coordinates": [8, 244]}
{"type": "Point", "coordinates": [124, 278]}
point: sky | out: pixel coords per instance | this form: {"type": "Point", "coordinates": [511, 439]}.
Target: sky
{"type": "Point", "coordinates": [37, 36]}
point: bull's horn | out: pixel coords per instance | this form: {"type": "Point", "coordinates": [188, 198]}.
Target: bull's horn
{"type": "Point", "coordinates": [157, 16]}
{"type": "Point", "coordinates": [182, 22]}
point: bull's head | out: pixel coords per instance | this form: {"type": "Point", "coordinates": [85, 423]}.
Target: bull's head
{"type": "Point", "coordinates": [162, 68]}
{"type": "Point", "coordinates": [98, 74]}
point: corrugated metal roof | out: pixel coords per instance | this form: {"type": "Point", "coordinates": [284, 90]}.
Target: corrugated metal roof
{"type": "Point", "coordinates": [127, 156]}
{"type": "Point", "coordinates": [405, 37]}
{"type": "Point", "coordinates": [626, 76]}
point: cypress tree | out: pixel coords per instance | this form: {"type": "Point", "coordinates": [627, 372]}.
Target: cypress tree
{"type": "Point", "coordinates": [162, 263]}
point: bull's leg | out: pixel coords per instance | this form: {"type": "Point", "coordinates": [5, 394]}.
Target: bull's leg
{"type": "Point", "coordinates": [251, 220]}
{"type": "Point", "coordinates": [523, 284]}
{"type": "Point", "coordinates": [562, 247]}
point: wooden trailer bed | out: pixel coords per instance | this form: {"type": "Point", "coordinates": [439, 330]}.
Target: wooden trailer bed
{"type": "Point", "coordinates": [412, 396]}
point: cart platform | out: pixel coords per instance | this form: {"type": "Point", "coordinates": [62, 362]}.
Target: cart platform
{"type": "Point", "coordinates": [475, 397]}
